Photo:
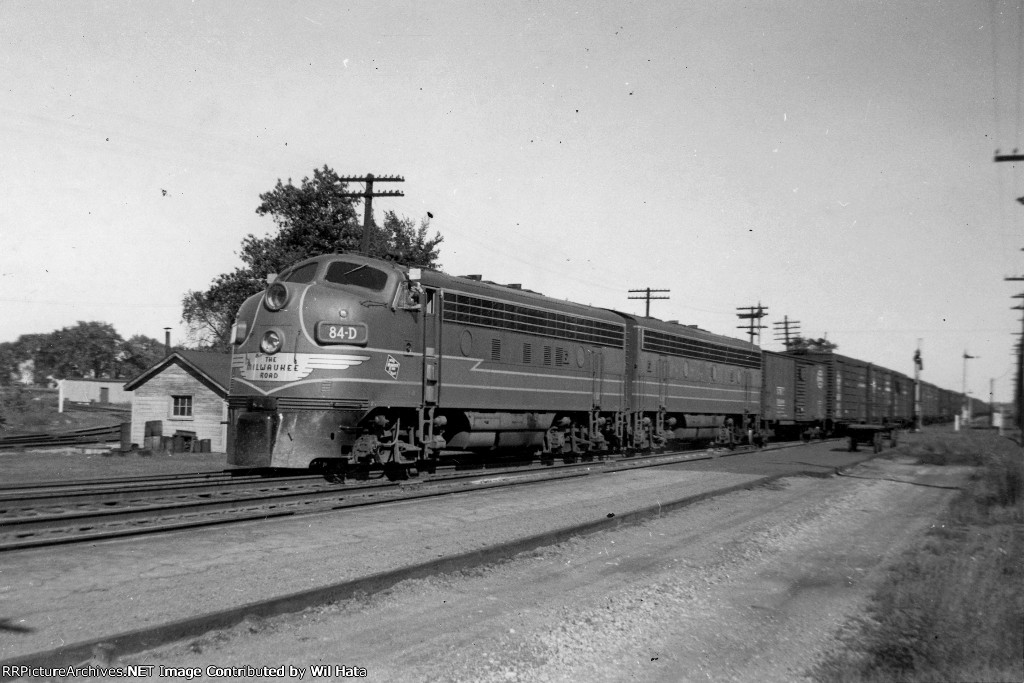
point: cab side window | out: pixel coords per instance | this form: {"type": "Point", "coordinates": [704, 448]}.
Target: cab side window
{"type": "Point", "coordinates": [303, 274]}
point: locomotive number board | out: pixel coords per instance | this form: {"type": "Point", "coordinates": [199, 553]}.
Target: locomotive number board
{"type": "Point", "coordinates": [334, 333]}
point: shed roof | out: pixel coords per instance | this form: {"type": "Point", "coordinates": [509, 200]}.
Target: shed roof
{"type": "Point", "coordinates": [213, 369]}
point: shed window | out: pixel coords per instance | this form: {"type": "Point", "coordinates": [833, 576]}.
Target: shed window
{"type": "Point", "coordinates": [182, 406]}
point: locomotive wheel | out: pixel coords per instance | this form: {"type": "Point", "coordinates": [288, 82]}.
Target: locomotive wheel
{"type": "Point", "coordinates": [334, 476]}
{"type": "Point", "coordinates": [333, 472]}
{"type": "Point", "coordinates": [429, 465]}
{"type": "Point", "coordinates": [395, 472]}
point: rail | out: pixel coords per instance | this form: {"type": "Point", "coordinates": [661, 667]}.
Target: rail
{"type": "Point", "coordinates": [72, 438]}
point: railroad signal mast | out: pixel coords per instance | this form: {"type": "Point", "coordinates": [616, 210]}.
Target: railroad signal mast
{"type": "Point", "coordinates": [789, 329]}
{"type": "Point", "coordinates": [753, 315]}
{"type": "Point", "coordinates": [647, 295]}
{"type": "Point", "coordinates": [368, 194]}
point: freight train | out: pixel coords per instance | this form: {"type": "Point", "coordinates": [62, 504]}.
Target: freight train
{"type": "Point", "coordinates": [347, 364]}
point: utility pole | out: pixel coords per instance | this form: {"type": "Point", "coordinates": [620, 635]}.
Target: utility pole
{"type": "Point", "coordinates": [991, 402]}
{"type": "Point", "coordinates": [1019, 393]}
{"type": "Point", "coordinates": [967, 400]}
{"type": "Point", "coordinates": [368, 194]}
{"type": "Point", "coordinates": [646, 292]}
{"type": "Point", "coordinates": [918, 367]}
{"type": "Point", "coordinates": [754, 315]}
{"type": "Point", "coordinates": [784, 328]}
{"type": "Point", "coordinates": [1016, 156]}
{"type": "Point", "coordinates": [1019, 389]}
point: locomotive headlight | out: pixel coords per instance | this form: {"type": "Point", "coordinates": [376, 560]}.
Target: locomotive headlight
{"type": "Point", "coordinates": [271, 342]}
{"type": "Point", "coordinates": [276, 297]}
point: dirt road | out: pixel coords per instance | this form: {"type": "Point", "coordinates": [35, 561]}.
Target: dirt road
{"type": "Point", "coordinates": [750, 586]}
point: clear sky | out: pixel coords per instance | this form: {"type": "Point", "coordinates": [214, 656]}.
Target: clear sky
{"type": "Point", "coordinates": [831, 160]}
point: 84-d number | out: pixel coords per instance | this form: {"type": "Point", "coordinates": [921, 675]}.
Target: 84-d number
{"type": "Point", "coordinates": [333, 333]}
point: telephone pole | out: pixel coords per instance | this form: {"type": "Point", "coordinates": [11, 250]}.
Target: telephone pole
{"type": "Point", "coordinates": [1016, 156]}
{"type": "Point", "coordinates": [918, 367]}
{"type": "Point", "coordinates": [967, 400]}
{"type": "Point", "coordinates": [646, 292]}
{"type": "Point", "coordinates": [368, 194]}
{"type": "Point", "coordinates": [1019, 393]}
{"type": "Point", "coordinates": [1019, 389]}
{"type": "Point", "coordinates": [754, 315]}
{"type": "Point", "coordinates": [784, 328]}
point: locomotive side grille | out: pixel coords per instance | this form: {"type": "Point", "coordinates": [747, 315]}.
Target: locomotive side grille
{"type": "Point", "coordinates": [472, 310]}
{"type": "Point", "coordinates": [547, 355]}
{"type": "Point", "coordinates": [302, 403]}
{"type": "Point", "coordinates": [672, 345]}
{"type": "Point", "coordinates": [495, 349]}
{"type": "Point", "coordinates": [527, 352]}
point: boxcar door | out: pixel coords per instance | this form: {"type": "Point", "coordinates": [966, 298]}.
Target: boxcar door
{"type": "Point", "coordinates": [432, 330]}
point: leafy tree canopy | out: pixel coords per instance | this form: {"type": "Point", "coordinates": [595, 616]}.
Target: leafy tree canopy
{"type": "Point", "coordinates": [88, 349]}
{"type": "Point", "coordinates": [809, 345]}
{"type": "Point", "coordinates": [138, 353]}
{"type": "Point", "coordinates": [313, 218]}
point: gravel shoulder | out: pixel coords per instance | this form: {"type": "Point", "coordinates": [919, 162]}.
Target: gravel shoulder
{"type": "Point", "coordinates": [753, 585]}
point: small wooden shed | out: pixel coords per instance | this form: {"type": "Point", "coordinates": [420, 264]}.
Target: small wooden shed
{"type": "Point", "coordinates": [102, 391]}
{"type": "Point", "coordinates": [186, 393]}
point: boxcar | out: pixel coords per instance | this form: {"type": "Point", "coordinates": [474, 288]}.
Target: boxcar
{"type": "Point", "coordinates": [793, 394]}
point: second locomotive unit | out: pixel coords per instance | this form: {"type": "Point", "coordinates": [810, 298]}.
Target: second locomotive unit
{"type": "Point", "coordinates": [347, 362]}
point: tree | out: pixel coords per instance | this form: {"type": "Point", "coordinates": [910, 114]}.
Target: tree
{"type": "Point", "coordinates": [138, 353]}
{"type": "Point", "coordinates": [88, 349]}
{"type": "Point", "coordinates": [808, 345]}
{"type": "Point", "coordinates": [211, 314]}
{"type": "Point", "coordinates": [312, 219]}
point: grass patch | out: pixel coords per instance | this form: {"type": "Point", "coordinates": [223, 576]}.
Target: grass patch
{"type": "Point", "coordinates": [952, 609]}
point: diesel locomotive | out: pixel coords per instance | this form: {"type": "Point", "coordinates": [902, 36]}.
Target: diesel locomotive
{"type": "Point", "coordinates": [347, 363]}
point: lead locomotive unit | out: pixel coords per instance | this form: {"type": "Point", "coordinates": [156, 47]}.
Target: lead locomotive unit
{"type": "Point", "coordinates": [349, 363]}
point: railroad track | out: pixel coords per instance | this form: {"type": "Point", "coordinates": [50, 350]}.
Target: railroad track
{"type": "Point", "coordinates": [72, 438]}
{"type": "Point", "coordinates": [42, 515]}
{"type": "Point", "coordinates": [135, 640]}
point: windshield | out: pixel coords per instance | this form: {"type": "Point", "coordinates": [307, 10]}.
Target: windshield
{"type": "Point", "coordinates": [302, 274]}
{"type": "Point", "coordinates": [357, 275]}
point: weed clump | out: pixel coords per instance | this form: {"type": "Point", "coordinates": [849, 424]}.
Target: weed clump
{"type": "Point", "coordinates": [952, 609]}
